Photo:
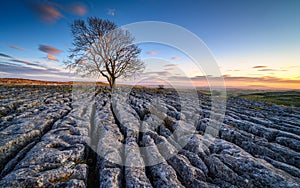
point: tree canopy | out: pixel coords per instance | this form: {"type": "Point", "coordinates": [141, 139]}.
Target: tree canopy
{"type": "Point", "coordinates": [102, 49]}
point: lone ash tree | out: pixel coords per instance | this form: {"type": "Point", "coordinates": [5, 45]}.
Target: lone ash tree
{"type": "Point", "coordinates": [102, 49]}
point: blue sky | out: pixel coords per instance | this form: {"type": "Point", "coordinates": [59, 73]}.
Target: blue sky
{"type": "Point", "coordinates": [240, 34]}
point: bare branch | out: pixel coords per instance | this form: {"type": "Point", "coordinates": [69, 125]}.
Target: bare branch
{"type": "Point", "coordinates": [102, 49]}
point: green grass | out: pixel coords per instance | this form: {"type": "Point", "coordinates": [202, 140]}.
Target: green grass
{"type": "Point", "coordinates": [288, 98]}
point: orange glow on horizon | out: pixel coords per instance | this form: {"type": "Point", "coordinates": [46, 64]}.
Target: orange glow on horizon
{"type": "Point", "coordinates": [250, 84]}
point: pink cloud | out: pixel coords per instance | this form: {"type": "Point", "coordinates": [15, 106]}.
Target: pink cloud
{"type": "Point", "coordinates": [175, 58]}
{"type": "Point", "coordinates": [51, 57]}
{"type": "Point", "coordinates": [50, 12]}
{"type": "Point", "coordinates": [49, 49]}
{"type": "Point", "coordinates": [152, 53]}
{"type": "Point", "coordinates": [77, 8]}
{"type": "Point", "coordinates": [15, 47]}
{"type": "Point", "coordinates": [259, 67]}
{"type": "Point", "coordinates": [47, 13]}
{"type": "Point", "coordinates": [159, 73]}
{"type": "Point", "coordinates": [171, 65]}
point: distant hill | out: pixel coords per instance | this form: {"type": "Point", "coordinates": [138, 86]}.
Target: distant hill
{"type": "Point", "coordinates": [21, 81]}
{"type": "Point", "coordinates": [286, 98]}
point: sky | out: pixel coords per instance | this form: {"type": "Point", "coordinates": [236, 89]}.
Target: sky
{"type": "Point", "coordinates": [256, 44]}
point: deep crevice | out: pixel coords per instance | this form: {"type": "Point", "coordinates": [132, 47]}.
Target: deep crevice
{"type": "Point", "coordinates": [93, 175]}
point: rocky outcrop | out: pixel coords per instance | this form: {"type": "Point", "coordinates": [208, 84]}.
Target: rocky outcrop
{"type": "Point", "coordinates": [52, 137]}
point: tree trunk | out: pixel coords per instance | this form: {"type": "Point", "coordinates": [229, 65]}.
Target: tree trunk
{"type": "Point", "coordinates": [112, 82]}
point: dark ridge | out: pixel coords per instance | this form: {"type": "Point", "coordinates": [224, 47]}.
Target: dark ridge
{"type": "Point", "coordinates": [123, 180]}
{"type": "Point", "coordinates": [38, 138]}
{"type": "Point", "coordinates": [14, 161]}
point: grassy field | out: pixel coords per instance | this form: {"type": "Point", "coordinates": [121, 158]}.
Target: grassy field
{"type": "Point", "coordinates": [287, 98]}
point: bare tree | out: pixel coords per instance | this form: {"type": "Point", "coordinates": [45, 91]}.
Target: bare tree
{"type": "Point", "coordinates": [102, 49]}
{"type": "Point", "coordinates": [161, 86]}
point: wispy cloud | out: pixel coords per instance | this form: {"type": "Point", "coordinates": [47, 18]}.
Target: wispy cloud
{"type": "Point", "coordinates": [244, 82]}
{"type": "Point", "coordinates": [25, 62]}
{"type": "Point", "coordinates": [265, 79]}
{"type": "Point", "coordinates": [233, 70]}
{"type": "Point", "coordinates": [35, 64]}
{"type": "Point", "coordinates": [266, 70]}
{"type": "Point", "coordinates": [271, 70]}
{"type": "Point", "coordinates": [13, 60]}
{"type": "Point", "coordinates": [51, 57]}
{"type": "Point", "coordinates": [171, 65]}
{"type": "Point", "coordinates": [5, 55]}
{"type": "Point", "coordinates": [49, 49]}
{"type": "Point", "coordinates": [151, 52]}
{"type": "Point", "coordinates": [3, 73]}
{"type": "Point", "coordinates": [14, 69]}
{"type": "Point", "coordinates": [77, 8]}
{"type": "Point", "coordinates": [15, 47]}
{"type": "Point", "coordinates": [47, 12]}
{"type": "Point", "coordinates": [157, 73]}
{"type": "Point", "coordinates": [248, 82]}
{"type": "Point", "coordinates": [259, 67]}
{"type": "Point", "coordinates": [238, 81]}
{"type": "Point", "coordinates": [291, 67]}
{"type": "Point", "coordinates": [169, 69]}
{"type": "Point", "coordinates": [111, 12]}
{"type": "Point", "coordinates": [175, 58]}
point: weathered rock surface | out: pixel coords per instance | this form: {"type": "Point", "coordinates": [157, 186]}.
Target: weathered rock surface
{"type": "Point", "coordinates": [51, 137]}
